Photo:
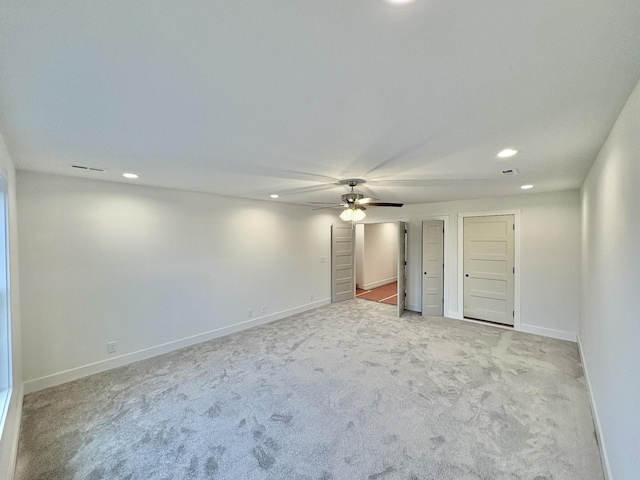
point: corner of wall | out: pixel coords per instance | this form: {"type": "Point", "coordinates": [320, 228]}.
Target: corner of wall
{"type": "Point", "coordinates": [596, 419]}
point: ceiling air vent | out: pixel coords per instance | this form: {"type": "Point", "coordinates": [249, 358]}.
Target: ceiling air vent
{"type": "Point", "coordinates": [93, 169]}
{"type": "Point", "coordinates": [510, 171]}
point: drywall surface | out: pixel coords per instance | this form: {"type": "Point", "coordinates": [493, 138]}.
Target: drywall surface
{"type": "Point", "coordinates": [609, 325]}
{"type": "Point", "coordinates": [9, 438]}
{"type": "Point", "coordinates": [549, 250]}
{"type": "Point", "coordinates": [359, 254]}
{"type": "Point", "coordinates": [154, 269]}
{"type": "Point", "coordinates": [379, 254]}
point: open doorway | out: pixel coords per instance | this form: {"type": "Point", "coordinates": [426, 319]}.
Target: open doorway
{"type": "Point", "coordinates": [349, 241]}
{"type": "Point", "coordinates": [377, 253]}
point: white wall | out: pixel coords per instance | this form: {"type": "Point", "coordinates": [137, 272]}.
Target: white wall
{"type": "Point", "coordinates": [9, 440]}
{"type": "Point", "coordinates": [549, 250]}
{"type": "Point", "coordinates": [359, 254]}
{"type": "Point", "coordinates": [153, 269]}
{"type": "Point", "coordinates": [379, 254]}
{"type": "Point", "coordinates": [610, 322]}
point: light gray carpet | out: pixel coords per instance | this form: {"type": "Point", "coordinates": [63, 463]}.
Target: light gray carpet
{"type": "Point", "coordinates": [346, 391]}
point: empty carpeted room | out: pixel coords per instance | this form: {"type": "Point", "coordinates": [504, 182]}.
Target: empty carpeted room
{"type": "Point", "coordinates": [183, 186]}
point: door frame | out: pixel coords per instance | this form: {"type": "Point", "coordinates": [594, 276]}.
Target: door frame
{"type": "Point", "coordinates": [407, 222]}
{"type": "Point", "coordinates": [516, 261]}
{"type": "Point", "coordinates": [447, 255]}
{"type": "Point", "coordinates": [334, 255]}
{"type": "Point", "coordinates": [403, 234]}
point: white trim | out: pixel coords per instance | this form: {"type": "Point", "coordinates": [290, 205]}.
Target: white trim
{"type": "Point", "coordinates": [5, 399]}
{"type": "Point", "coordinates": [6, 337]}
{"type": "Point", "coordinates": [387, 298]}
{"type": "Point", "coordinates": [596, 419]}
{"type": "Point", "coordinates": [103, 365]}
{"type": "Point", "coordinates": [379, 283]}
{"type": "Point", "coordinates": [549, 332]}
{"type": "Point", "coordinates": [10, 436]}
{"type": "Point", "coordinates": [377, 220]}
{"type": "Point", "coordinates": [455, 315]}
{"type": "Point", "coordinates": [480, 322]}
{"type": "Point", "coordinates": [517, 260]}
{"type": "Point", "coordinates": [446, 255]}
{"type": "Point", "coordinates": [529, 329]}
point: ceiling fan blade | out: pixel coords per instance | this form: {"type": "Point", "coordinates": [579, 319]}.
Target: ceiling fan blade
{"type": "Point", "coordinates": [323, 203]}
{"type": "Point", "coordinates": [366, 201]}
{"type": "Point", "coordinates": [443, 181]}
{"type": "Point", "coordinates": [329, 206]}
{"type": "Point", "coordinates": [309, 189]}
{"type": "Point", "coordinates": [385, 204]}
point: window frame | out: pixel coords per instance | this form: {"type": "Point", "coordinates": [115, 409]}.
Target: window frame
{"type": "Point", "coordinates": [6, 357]}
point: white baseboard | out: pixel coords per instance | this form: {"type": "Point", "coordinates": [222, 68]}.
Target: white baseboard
{"type": "Point", "coordinates": [41, 383]}
{"type": "Point", "coordinates": [548, 332]}
{"type": "Point", "coordinates": [379, 283]}
{"type": "Point", "coordinates": [10, 434]}
{"type": "Point", "coordinates": [545, 332]}
{"type": "Point", "coordinates": [596, 418]}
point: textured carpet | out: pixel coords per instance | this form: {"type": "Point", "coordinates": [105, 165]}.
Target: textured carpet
{"type": "Point", "coordinates": [346, 391]}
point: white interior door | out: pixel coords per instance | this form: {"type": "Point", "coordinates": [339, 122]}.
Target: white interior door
{"type": "Point", "coordinates": [489, 268]}
{"type": "Point", "coordinates": [342, 255]}
{"type": "Point", "coordinates": [402, 246]}
{"type": "Point", "coordinates": [433, 268]}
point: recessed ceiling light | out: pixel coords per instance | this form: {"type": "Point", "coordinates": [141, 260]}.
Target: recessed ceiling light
{"type": "Point", "coordinates": [526, 187]}
{"type": "Point", "coordinates": [275, 195]}
{"type": "Point", "coordinates": [129, 175]}
{"type": "Point", "coordinates": [398, 2]}
{"type": "Point", "coordinates": [507, 152]}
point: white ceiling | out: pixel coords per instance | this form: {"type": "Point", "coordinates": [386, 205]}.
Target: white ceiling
{"type": "Point", "coordinates": [253, 97]}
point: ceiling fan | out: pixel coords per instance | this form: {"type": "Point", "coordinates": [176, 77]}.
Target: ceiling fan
{"type": "Point", "coordinates": [354, 203]}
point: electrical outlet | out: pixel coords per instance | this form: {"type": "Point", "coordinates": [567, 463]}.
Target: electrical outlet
{"type": "Point", "coordinates": [111, 347]}
{"type": "Point", "coordinates": [323, 259]}
{"type": "Point", "coordinates": [263, 309]}
{"type": "Point", "coordinates": [311, 296]}
{"type": "Point", "coordinates": [250, 313]}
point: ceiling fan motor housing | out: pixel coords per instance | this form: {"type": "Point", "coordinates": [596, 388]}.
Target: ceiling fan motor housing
{"type": "Point", "coordinates": [351, 197]}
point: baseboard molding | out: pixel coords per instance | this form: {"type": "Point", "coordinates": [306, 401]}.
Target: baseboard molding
{"type": "Point", "coordinates": [545, 332]}
{"type": "Point", "coordinates": [596, 418]}
{"type": "Point", "coordinates": [59, 378]}
{"type": "Point", "coordinates": [379, 283]}
{"type": "Point", "coordinates": [548, 332]}
{"type": "Point", "coordinates": [10, 434]}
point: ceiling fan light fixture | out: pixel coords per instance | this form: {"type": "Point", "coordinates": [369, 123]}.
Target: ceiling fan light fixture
{"type": "Point", "coordinates": [352, 215]}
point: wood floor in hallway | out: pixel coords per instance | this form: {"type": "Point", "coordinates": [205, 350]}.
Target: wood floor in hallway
{"type": "Point", "coordinates": [385, 294]}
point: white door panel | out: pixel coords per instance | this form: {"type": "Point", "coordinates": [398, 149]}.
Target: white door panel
{"type": "Point", "coordinates": [488, 268]}
{"type": "Point", "coordinates": [402, 245]}
{"type": "Point", "coordinates": [342, 256]}
{"type": "Point", "coordinates": [432, 268]}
